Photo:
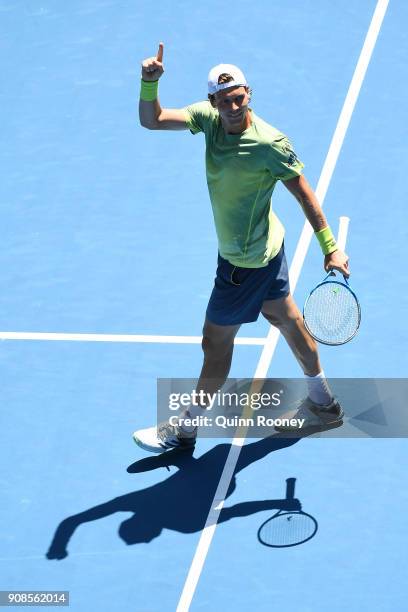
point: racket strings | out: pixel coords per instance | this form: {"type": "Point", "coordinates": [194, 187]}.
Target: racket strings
{"type": "Point", "coordinates": [332, 313]}
{"type": "Point", "coordinates": [287, 529]}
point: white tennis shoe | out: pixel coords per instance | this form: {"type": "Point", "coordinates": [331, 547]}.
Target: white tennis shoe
{"type": "Point", "coordinates": [312, 416]}
{"type": "Point", "coordinates": [163, 437]}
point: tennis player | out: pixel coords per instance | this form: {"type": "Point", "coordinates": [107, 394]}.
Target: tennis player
{"type": "Point", "coordinates": [245, 158]}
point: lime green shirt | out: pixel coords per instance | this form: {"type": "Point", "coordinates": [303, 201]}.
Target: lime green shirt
{"type": "Point", "coordinates": [242, 171]}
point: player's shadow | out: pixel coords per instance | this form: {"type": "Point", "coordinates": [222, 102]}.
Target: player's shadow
{"type": "Point", "coordinates": [181, 502]}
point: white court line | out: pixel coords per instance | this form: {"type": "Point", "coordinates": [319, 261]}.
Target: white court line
{"type": "Point", "coordinates": [119, 338]}
{"type": "Point", "coordinates": [295, 268]}
{"type": "Point", "coordinates": [342, 235]}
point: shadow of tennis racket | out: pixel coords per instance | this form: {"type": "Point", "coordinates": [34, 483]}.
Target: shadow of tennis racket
{"type": "Point", "coordinates": [290, 526]}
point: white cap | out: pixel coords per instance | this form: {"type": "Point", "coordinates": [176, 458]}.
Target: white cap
{"type": "Point", "coordinates": [239, 79]}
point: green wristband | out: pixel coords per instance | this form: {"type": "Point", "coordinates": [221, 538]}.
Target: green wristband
{"type": "Point", "coordinates": [149, 90]}
{"type": "Point", "coordinates": [326, 240]}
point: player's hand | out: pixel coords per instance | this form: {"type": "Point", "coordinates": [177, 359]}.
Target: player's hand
{"type": "Point", "coordinates": [337, 261]}
{"type": "Point", "coordinates": [152, 67]}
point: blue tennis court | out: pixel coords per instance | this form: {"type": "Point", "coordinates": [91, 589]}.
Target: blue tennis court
{"type": "Point", "coordinates": [107, 264]}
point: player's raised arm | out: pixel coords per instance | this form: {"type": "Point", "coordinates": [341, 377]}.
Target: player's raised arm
{"type": "Point", "coordinates": [152, 115]}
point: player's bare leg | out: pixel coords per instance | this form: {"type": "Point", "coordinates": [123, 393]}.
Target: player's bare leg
{"type": "Point", "coordinates": [320, 409]}
{"type": "Point", "coordinates": [286, 316]}
{"type": "Point", "coordinates": [218, 347]}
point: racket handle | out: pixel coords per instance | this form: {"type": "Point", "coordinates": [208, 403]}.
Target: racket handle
{"type": "Point", "coordinates": [290, 488]}
{"type": "Point", "coordinates": [341, 241]}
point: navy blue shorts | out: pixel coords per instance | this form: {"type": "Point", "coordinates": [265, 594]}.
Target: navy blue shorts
{"type": "Point", "coordinates": [239, 293]}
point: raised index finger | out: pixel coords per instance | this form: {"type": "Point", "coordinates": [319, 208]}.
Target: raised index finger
{"type": "Point", "coordinates": [159, 56]}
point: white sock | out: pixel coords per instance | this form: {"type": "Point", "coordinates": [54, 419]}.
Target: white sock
{"type": "Point", "coordinates": [190, 413]}
{"type": "Point", "coordinates": [319, 390]}
{"type": "Point", "coordinates": [195, 411]}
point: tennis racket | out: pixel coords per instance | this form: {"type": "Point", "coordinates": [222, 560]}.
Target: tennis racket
{"type": "Point", "coordinates": [288, 528]}
{"type": "Point", "coordinates": [332, 312]}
